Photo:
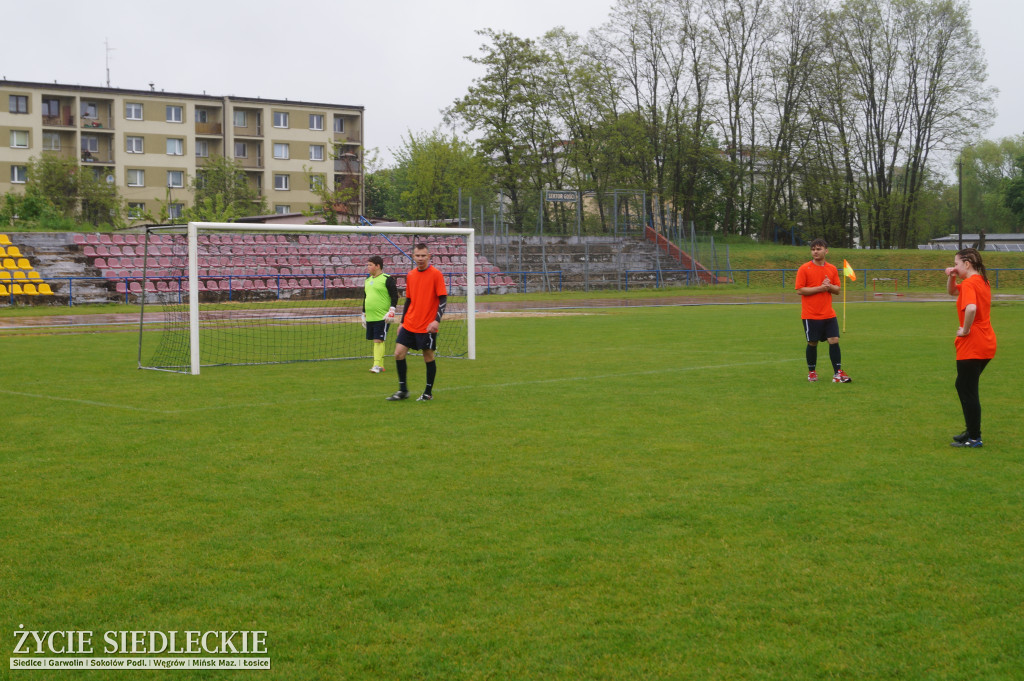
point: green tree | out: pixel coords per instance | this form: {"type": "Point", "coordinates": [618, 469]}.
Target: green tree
{"type": "Point", "coordinates": [221, 192]}
{"type": "Point", "coordinates": [431, 170]}
{"type": "Point", "coordinates": [506, 107]}
{"type": "Point", "coordinates": [1013, 190]}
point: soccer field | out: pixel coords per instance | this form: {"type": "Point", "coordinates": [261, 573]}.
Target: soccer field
{"type": "Point", "coordinates": [622, 493]}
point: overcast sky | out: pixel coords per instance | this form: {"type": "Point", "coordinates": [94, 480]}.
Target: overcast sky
{"type": "Point", "coordinates": [403, 60]}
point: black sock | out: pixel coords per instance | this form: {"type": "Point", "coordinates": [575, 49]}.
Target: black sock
{"type": "Point", "coordinates": [400, 366]}
{"type": "Point", "coordinates": [812, 357]}
{"type": "Point", "coordinates": [835, 356]}
{"type": "Point", "coordinates": [431, 373]}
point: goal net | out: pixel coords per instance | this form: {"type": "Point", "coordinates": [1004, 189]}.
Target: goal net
{"type": "Point", "coordinates": [235, 294]}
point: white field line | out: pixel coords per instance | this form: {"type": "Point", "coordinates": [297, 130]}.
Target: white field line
{"type": "Point", "coordinates": [337, 398]}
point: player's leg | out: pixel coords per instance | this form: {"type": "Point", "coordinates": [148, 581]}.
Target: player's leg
{"type": "Point", "coordinates": [402, 345]}
{"type": "Point", "coordinates": [812, 349]}
{"type": "Point", "coordinates": [834, 353]}
{"type": "Point", "coordinates": [968, 376]}
{"type": "Point", "coordinates": [430, 341]}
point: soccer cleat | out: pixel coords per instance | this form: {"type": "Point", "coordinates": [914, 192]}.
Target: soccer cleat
{"type": "Point", "coordinates": [399, 395]}
{"type": "Point", "coordinates": [376, 369]}
{"type": "Point", "coordinates": [969, 442]}
{"type": "Point", "coordinates": [841, 377]}
{"type": "Point", "coordinates": [425, 397]}
{"type": "Point", "coordinates": [812, 376]}
{"type": "Point", "coordinates": [962, 437]}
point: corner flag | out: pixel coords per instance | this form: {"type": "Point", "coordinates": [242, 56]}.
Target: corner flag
{"type": "Point", "coordinates": [852, 276]}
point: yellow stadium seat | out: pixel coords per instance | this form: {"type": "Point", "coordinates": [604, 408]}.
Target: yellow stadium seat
{"type": "Point", "coordinates": [4, 291]}
{"type": "Point", "coordinates": [24, 264]}
{"type": "Point", "coordinates": [45, 290]}
{"type": "Point", "coordinates": [32, 274]}
{"type": "Point", "coordinates": [18, 274]}
{"type": "Point", "coordinates": [5, 240]}
{"type": "Point", "coordinates": [3, 253]}
{"type": "Point", "coordinates": [30, 290]}
{"type": "Point", "coordinates": [5, 275]}
{"type": "Point", "coordinates": [16, 289]}
{"type": "Point", "coordinates": [9, 264]}
{"type": "Point", "coordinates": [13, 252]}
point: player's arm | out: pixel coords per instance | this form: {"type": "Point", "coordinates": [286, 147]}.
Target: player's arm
{"type": "Point", "coordinates": [442, 303]}
{"type": "Point", "coordinates": [392, 288]}
{"type": "Point", "coordinates": [951, 288]}
{"type": "Point", "coordinates": [970, 311]}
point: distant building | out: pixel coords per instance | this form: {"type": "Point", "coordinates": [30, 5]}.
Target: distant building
{"type": "Point", "coordinates": [151, 143]}
{"type": "Point", "coordinates": [993, 242]}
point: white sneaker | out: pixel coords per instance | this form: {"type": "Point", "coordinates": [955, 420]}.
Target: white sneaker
{"type": "Point", "coordinates": [376, 369]}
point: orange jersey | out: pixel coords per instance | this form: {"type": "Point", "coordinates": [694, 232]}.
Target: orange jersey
{"type": "Point", "coordinates": [819, 305]}
{"type": "Point", "coordinates": [422, 290]}
{"type": "Point", "coordinates": [980, 342]}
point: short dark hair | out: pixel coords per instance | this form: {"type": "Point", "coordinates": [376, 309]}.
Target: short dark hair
{"type": "Point", "coordinates": [819, 242]}
{"type": "Point", "coordinates": [421, 246]}
{"type": "Point", "coordinates": [376, 260]}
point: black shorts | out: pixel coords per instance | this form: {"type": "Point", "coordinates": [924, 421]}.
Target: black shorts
{"type": "Point", "coordinates": [417, 341]}
{"type": "Point", "coordinates": [376, 330]}
{"type": "Point", "coordinates": [821, 329]}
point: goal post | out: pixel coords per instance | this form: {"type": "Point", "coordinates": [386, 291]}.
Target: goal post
{"type": "Point", "coordinates": [257, 293]}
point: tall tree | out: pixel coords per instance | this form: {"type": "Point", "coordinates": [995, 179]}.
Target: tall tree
{"type": "Point", "coordinates": [432, 168]}
{"type": "Point", "coordinates": [502, 106]}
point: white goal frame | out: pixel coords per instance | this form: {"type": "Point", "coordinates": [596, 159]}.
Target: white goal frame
{"type": "Point", "coordinates": [192, 234]}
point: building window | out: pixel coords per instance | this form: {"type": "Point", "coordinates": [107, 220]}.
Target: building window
{"type": "Point", "coordinates": [241, 120]}
{"type": "Point", "coordinates": [281, 182]}
{"type": "Point", "coordinates": [136, 210]}
{"type": "Point", "coordinates": [175, 178]}
{"type": "Point", "coordinates": [133, 145]}
{"type": "Point", "coordinates": [133, 111]}
{"type": "Point", "coordinates": [282, 209]}
{"type": "Point", "coordinates": [19, 139]}
{"type": "Point", "coordinates": [202, 149]}
{"type": "Point", "coordinates": [90, 144]}
{"type": "Point", "coordinates": [51, 141]}
{"type": "Point", "coordinates": [316, 152]}
{"type": "Point", "coordinates": [18, 103]}
{"type": "Point", "coordinates": [200, 179]}
{"type": "Point", "coordinates": [51, 107]}
{"type": "Point", "coordinates": [241, 150]}
{"type": "Point", "coordinates": [316, 182]}
{"type": "Point", "coordinates": [175, 146]}
{"type": "Point", "coordinates": [281, 151]}
{"type": "Point", "coordinates": [174, 210]}
{"type": "Point", "coordinates": [339, 124]}
{"type": "Point", "coordinates": [280, 119]}
{"type": "Point", "coordinates": [174, 114]}
{"type": "Point", "coordinates": [202, 116]}
{"type": "Point", "coordinates": [90, 110]}
{"type": "Point", "coordinates": [135, 178]}
{"type": "Point", "coordinates": [316, 121]}
{"type": "Point", "coordinates": [19, 174]}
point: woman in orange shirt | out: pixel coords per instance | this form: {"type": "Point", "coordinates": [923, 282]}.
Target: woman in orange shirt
{"type": "Point", "coordinates": [975, 339]}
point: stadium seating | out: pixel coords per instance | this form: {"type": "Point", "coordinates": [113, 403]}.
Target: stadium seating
{"type": "Point", "coordinates": [4, 291]}
{"type": "Point", "coordinates": [241, 262]}
{"type": "Point", "coordinates": [5, 240]}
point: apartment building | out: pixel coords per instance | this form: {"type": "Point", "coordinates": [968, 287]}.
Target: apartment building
{"type": "Point", "coordinates": [151, 143]}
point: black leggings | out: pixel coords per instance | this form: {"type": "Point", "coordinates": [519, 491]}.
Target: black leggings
{"type": "Point", "coordinates": [968, 372]}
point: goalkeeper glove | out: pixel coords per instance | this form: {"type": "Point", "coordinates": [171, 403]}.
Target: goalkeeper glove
{"type": "Point", "coordinates": [362, 319]}
{"type": "Point", "coordinates": [390, 316]}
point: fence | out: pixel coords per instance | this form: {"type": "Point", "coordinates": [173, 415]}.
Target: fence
{"type": "Point", "coordinates": [128, 289]}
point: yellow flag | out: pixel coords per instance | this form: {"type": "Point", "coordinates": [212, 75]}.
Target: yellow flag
{"type": "Point", "coordinates": [848, 271]}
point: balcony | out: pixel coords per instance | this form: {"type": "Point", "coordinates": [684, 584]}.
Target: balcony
{"type": "Point", "coordinates": [208, 128]}
{"type": "Point", "coordinates": [97, 158]}
{"type": "Point", "coordinates": [64, 121]}
{"type": "Point", "coordinates": [347, 164]}
{"type": "Point", "coordinates": [97, 124]}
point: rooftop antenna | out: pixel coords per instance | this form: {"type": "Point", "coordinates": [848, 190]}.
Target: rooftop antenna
{"type": "Point", "coordinates": [110, 49]}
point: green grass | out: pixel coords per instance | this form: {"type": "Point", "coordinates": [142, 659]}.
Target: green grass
{"type": "Point", "coordinates": [651, 493]}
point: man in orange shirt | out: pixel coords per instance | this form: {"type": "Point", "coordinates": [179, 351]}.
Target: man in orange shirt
{"type": "Point", "coordinates": [816, 282]}
{"type": "Point", "coordinates": [975, 338]}
{"type": "Point", "coordinates": [425, 301]}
